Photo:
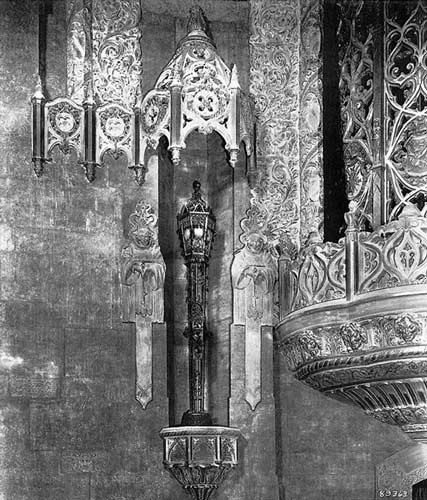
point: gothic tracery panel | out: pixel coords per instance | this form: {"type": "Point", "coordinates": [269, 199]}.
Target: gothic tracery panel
{"type": "Point", "coordinates": [356, 42]}
{"type": "Point", "coordinates": [405, 101]}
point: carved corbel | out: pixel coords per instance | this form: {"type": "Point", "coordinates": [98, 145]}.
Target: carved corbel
{"type": "Point", "coordinates": [142, 280]}
{"type": "Point", "coordinates": [254, 273]}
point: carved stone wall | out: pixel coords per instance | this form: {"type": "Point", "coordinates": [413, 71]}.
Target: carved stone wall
{"type": "Point", "coordinates": [70, 425]}
{"type": "Point", "coordinates": [310, 122]}
{"type": "Point", "coordinates": [284, 209]}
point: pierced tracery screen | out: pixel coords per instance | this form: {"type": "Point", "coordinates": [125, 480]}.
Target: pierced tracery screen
{"type": "Point", "coordinates": [383, 90]}
{"type": "Point", "coordinates": [405, 119]}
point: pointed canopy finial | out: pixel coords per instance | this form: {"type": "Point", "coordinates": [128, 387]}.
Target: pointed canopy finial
{"type": "Point", "coordinates": [196, 20]}
{"type": "Point", "coordinates": [38, 93]}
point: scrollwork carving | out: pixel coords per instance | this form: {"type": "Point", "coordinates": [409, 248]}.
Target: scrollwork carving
{"type": "Point", "coordinates": [310, 344]}
{"type": "Point", "coordinates": [274, 59]}
{"type": "Point", "coordinates": [114, 51]}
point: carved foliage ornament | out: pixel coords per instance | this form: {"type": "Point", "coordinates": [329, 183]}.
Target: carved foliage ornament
{"type": "Point", "coordinates": [116, 55]}
{"type": "Point", "coordinates": [353, 335]}
{"type": "Point", "coordinates": [318, 274]}
{"type": "Point", "coordinates": [274, 85]}
{"type": "Point", "coordinates": [356, 337]}
{"type": "Point", "coordinates": [396, 254]}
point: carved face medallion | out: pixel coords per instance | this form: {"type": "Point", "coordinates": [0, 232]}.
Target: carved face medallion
{"type": "Point", "coordinates": [415, 162]}
{"type": "Point", "coordinates": [64, 121]}
{"type": "Point", "coordinates": [151, 115]}
{"type": "Point", "coordinates": [115, 126]}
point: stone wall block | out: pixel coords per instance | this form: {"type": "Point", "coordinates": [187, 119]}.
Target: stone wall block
{"type": "Point", "coordinates": [98, 353]}
{"type": "Point", "coordinates": [46, 426]}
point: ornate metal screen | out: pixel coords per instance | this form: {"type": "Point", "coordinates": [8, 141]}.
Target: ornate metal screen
{"type": "Point", "coordinates": [383, 88]}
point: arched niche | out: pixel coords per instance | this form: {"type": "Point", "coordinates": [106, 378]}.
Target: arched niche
{"type": "Point", "coordinates": [227, 191]}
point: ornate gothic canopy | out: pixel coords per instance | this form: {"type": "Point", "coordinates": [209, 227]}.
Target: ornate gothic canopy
{"type": "Point", "coordinates": [196, 91]}
{"type": "Point", "coordinates": [103, 113]}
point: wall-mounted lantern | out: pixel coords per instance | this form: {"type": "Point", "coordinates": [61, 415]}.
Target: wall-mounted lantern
{"type": "Point", "coordinates": [198, 454]}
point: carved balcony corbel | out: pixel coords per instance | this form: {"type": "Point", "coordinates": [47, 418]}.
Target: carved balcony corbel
{"type": "Point", "coordinates": [355, 326]}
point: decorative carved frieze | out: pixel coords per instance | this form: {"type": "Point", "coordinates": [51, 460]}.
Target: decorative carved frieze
{"type": "Point", "coordinates": [396, 254]}
{"type": "Point", "coordinates": [142, 278]}
{"type": "Point", "coordinates": [318, 274]}
{"type": "Point", "coordinates": [376, 362]}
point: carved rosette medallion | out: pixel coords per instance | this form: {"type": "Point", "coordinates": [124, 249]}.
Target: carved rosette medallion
{"type": "Point", "coordinates": [354, 336]}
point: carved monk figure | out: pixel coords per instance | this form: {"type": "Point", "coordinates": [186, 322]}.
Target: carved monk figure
{"type": "Point", "coordinates": [143, 268]}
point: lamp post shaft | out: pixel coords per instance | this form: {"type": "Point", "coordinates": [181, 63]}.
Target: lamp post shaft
{"type": "Point", "coordinates": [196, 228]}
